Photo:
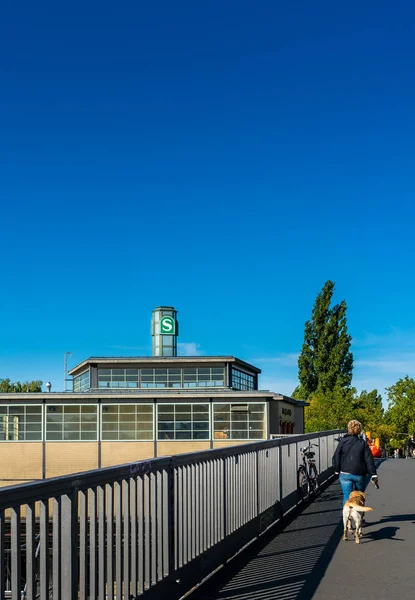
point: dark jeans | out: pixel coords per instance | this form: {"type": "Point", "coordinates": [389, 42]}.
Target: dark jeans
{"type": "Point", "coordinates": [351, 482]}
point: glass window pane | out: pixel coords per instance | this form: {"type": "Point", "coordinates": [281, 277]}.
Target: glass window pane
{"type": "Point", "coordinates": [88, 436]}
{"type": "Point", "coordinates": [201, 435]}
{"type": "Point", "coordinates": [32, 436]}
{"type": "Point", "coordinates": [127, 426]}
{"type": "Point", "coordinates": [110, 426]}
{"type": "Point", "coordinates": [183, 435]}
{"type": "Point", "coordinates": [34, 410]}
{"type": "Point", "coordinates": [88, 427]}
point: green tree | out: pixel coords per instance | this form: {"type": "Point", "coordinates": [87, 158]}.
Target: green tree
{"type": "Point", "coordinates": [325, 363]}
{"type": "Point", "coordinates": [368, 409]}
{"type": "Point", "coordinates": [401, 406]}
{"type": "Point", "coordinates": [329, 411]}
{"type": "Point", "coordinates": [9, 387]}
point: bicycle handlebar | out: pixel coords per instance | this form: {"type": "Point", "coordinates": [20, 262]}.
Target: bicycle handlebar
{"type": "Point", "coordinates": [309, 446]}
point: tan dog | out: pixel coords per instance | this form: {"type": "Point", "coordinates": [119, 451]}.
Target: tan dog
{"type": "Point", "coordinates": [353, 513]}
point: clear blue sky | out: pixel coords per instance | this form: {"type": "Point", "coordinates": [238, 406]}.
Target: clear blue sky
{"type": "Point", "coordinates": [225, 157]}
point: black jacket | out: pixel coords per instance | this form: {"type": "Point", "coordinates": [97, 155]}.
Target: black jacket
{"type": "Point", "coordinates": [353, 456]}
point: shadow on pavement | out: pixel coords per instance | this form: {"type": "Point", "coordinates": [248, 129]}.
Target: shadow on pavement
{"type": "Point", "coordinates": [288, 565]}
{"type": "Point", "coordinates": [394, 519]}
{"type": "Point", "coordinates": [385, 533]}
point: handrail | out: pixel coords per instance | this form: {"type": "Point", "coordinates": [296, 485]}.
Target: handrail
{"type": "Point", "coordinates": [152, 527]}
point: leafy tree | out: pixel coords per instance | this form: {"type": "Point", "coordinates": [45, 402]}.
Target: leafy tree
{"type": "Point", "coordinates": [325, 363]}
{"type": "Point", "coordinates": [329, 411]}
{"type": "Point", "coordinates": [401, 407]}
{"type": "Point", "coordinates": [368, 409]}
{"type": "Point", "coordinates": [7, 386]}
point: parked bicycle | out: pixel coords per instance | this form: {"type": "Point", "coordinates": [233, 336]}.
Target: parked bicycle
{"type": "Point", "coordinates": [307, 475]}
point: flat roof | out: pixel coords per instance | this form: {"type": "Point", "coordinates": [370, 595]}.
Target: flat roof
{"type": "Point", "coordinates": [128, 360]}
{"type": "Point", "coordinates": [148, 395]}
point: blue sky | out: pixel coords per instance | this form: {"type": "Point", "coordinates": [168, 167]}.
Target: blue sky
{"type": "Point", "coordinates": [226, 158]}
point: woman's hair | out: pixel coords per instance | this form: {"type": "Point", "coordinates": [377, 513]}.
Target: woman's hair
{"type": "Point", "coordinates": [354, 427]}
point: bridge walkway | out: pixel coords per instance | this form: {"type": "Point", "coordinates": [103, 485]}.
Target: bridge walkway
{"type": "Point", "coordinates": [308, 559]}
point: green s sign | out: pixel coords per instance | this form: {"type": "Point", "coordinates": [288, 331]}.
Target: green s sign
{"type": "Point", "coordinates": [167, 326]}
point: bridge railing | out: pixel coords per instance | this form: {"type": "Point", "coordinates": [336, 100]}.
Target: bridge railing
{"type": "Point", "coordinates": [151, 528]}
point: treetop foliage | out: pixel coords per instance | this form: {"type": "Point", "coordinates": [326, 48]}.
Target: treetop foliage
{"type": "Point", "coordinates": [9, 387]}
{"type": "Point", "coordinates": [325, 362]}
{"type": "Point", "coordinates": [325, 370]}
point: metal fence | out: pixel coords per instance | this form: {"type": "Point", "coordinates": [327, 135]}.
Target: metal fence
{"type": "Point", "coordinates": [151, 528]}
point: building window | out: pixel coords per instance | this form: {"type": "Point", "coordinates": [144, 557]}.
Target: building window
{"type": "Point", "coordinates": [81, 383]}
{"type": "Point", "coordinates": [238, 421]}
{"type": "Point", "coordinates": [21, 423]}
{"type": "Point", "coordinates": [161, 378]}
{"type": "Point", "coordinates": [242, 380]}
{"type": "Point", "coordinates": [204, 377]}
{"type": "Point", "coordinates": [118, 378]}
{"type": "Point", "coordinates": [183, 421]}
{"type": "Point", "coordinates": [71, 422]}
{"type": "Point", "coordinates": [124, 422]}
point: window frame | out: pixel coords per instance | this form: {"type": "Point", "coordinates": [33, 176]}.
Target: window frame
{"type": "Point", "coordinates": [166, 384]}
{"type": "Point", "coordinates": [97, 439]}
{"type": "Point", "coordinates": [118, 404]}
{"type": "Point", "coordinates": [42, 431]}
{"type": "Point", "coordinates": [236, 371]}
{"type": "Point", "coordinates": [80, 375]}
{"type": "Point", "coordinates": [241, 403]}
{"type": "Point", "coordinates": [185, 440]}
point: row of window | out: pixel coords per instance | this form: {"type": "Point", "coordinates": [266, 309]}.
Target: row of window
{"type": "Point", "coordinates": [161, 378]}
{"type": "Point", "coordinates": [133, 422]}
{"type": "Point", "coordinates": [82, 382]}
{"type": "Point", "coordinates": [242, 380]}
{"type": "Point", "coordinates": [165, 378]}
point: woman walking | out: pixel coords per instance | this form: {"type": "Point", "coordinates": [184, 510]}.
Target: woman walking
{"type": "Point", "coordinates": [354, 461]}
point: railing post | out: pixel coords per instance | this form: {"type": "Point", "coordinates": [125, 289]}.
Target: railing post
{"type": "Point", "coordinates": [2, 555]}
{"type": "Point", "coordinates": [171, 500]}
{"type": "Point", "coordinates": [258, 493]}
{"type": "Point", "coordinates": [69, 540]}
{"type": "Point", "coordinates": [15, 553]}
{"type": "Point", "coordinates": [225, 499]}
{"type": "Point", "coordinates": [280, 471]}
{"type": "Point", "coordinates": [319, 454]}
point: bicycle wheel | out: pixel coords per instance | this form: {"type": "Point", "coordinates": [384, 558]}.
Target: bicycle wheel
{"type": "Point", "coordinates": [303, 483]}
{"type": "Point", "coordinates": [313, 475]}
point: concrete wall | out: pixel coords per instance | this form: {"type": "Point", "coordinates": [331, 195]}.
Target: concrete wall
{"type": "Point", "coordinates": [70, 457]}
{"type": "Point", "coordinates": [118, 453]}
{"type": "Point", "coordinates": [170, 448]}
{"type": "Point", "coordinates": [20, 461]}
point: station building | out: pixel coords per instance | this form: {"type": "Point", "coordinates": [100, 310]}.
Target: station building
{"type": "Point", "coordinates": [125, 409]}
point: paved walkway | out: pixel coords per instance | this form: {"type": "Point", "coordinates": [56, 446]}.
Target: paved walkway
{"type": "Point", "coordinates": [309, 559]}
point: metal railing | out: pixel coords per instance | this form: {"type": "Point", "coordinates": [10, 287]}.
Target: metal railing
{"type": "Point", "coordinates": [151, 528]}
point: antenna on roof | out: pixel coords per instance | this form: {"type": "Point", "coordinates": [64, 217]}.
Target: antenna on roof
{"type": "Point", "coordinates": [65, 370]}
